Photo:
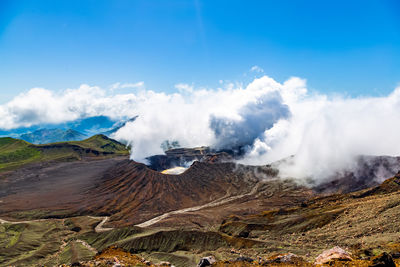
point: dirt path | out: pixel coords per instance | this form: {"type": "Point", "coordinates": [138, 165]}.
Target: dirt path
{"type": "Point", "coordinates": [64, 243]}
{"type": "Point", "coordinates": [99, 228]}
{"type": "Point", "coordinates": [86, 245]}
{"type": "Point", "coordinates": [214, 203]}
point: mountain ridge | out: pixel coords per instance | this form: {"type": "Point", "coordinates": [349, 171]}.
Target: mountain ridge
{"type": "Point", "coordinates": [45, 136]}
{"type": "Point", "coordinates": [75, 130]}
{"type": "Point", "coordinates": [15, 153]}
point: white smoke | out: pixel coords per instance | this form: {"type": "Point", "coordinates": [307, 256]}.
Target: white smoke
{"type": "Point", "coordinates": [325, 135]}
{"type": "Point", "coordinates": [274, 120]}
{"type": "Point", "coordinates": [256, 117]}
{"type": "Point", "coordinates": [204, 117]}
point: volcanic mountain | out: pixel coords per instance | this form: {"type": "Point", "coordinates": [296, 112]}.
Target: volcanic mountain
{"type": "Point", "coordinates": [212, 205]}
{"type": "Point", "coordinates": [132, 193]}
{"type": "Point", "coordinates": [76, 130]}
{"type": "Point", "coordinates": [40, 176]}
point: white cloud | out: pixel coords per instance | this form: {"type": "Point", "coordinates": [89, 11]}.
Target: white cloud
{"type": "Point", "coordinates": [274, 119]}
{"type": "Point", "coordinates": [39, 106]}
{"type": "Point", "coordinates": [257, 69]}
{"type": "Point", "coordinates": [132, 85]}
{"type": "Point", "coordinates": [115, 86]}
{"type": "Point", "coordinates": [187, 117]}
{"type": "Point", "coordinates": [119, 85]}
{"type": "Point", "coordinates": [326, 133]}
{"type": "Point", "coordinates": [184, 88]}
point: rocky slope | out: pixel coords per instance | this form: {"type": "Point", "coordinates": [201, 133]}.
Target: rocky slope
{"type": "Point", "coordinates": [241, 215]}
{"type": "Point", "coordinates": [133, 193]}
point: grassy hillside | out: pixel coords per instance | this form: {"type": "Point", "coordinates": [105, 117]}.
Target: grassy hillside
{"type": "Point", "coordinates": [45, 243]}
{"type": "Point", "coordinates": [102, 143]}
{"type": "Point", "coordinates": [15, 153]}
{"type": "Point", "coordinates": [25, 244]}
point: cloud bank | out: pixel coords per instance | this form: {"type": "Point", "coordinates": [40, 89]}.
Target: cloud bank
{"type": "Point", "coordinates": [326, 134]}
{"type": "Point", "coordinates": [255, 117]}
{"type": "Point", "coordinates": [41, 106]}
{"type": "Point", "coordinates": [272, 120]}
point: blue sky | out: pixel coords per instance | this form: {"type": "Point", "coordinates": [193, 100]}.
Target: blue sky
{"type": "Point", "coordinates": [350, 47]}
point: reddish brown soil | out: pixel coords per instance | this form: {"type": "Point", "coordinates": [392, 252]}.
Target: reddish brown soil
{"type": "Point", "coordinates": [131, 193]}
{"type": "Point", "coordinates": [134, 193]}
{"type": "Point", "coordinates": [51, 186]}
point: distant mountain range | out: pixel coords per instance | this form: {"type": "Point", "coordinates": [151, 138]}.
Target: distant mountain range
{"type": "Point", "coordinates": [45, 136]}
{"type": "Point", "coordinates": [70, 131]}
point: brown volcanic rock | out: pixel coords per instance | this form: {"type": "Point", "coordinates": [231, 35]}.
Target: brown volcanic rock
{"type": "Point", "coordinates": [177, 157]}
{"type": "Point", "coordinates": [133, 193]}
{"type": "Point", "coordinates": [217, 157]}
{"type": "Point", "coordinates": [183, 156]}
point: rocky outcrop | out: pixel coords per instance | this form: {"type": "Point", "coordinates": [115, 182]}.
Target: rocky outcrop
{"type": "Point", "coordinates": [177, 157]}
{"type": "Point", "coordinates": [184, 156]}
{"type": "Point", "coordinates": [333, 254]}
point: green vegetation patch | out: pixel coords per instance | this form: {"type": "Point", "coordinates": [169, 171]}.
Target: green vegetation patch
{"type": "Point", "coordinates": [26, 243]}
{"type": "Point", "coordinates": [52, 242]}
{"type": "Point", "coordinates": [103, 240]}
{"type": "Point", "coordinates": [15, 153]}
{"type": "Point", "coordinates": [102, 143]}
{"type": "Point", "coordinates": [75, 252]}
{"type": "Point", "coordinates": [170, 241]}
